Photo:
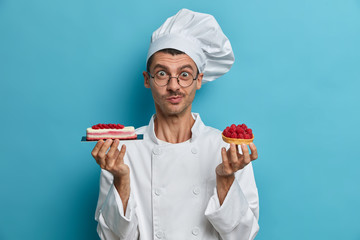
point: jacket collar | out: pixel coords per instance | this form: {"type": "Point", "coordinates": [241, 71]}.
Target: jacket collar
{"type": "Point", "coordinates": [195, 130]}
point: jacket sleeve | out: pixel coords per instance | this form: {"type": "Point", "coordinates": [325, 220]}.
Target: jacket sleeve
{"type": "Point", "coordinates": [113, 224]}
{"type": "Point", "coordinates": [237, 218]}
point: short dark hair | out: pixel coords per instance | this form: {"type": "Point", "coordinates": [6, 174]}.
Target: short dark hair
{"type": "Point", "coordinates": [171, 51]}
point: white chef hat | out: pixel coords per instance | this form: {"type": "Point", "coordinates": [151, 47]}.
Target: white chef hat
{"type": "Point", "coordinates": [200, 37]}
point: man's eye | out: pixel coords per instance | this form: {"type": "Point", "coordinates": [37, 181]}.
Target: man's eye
{"type": "Point", "coordinates": [185, 74]}
{"type": "Point", "coordinates": [161, 73]}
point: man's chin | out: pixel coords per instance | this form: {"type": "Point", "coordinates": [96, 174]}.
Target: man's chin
{"type": "Point", "coordinates": [175, 110]}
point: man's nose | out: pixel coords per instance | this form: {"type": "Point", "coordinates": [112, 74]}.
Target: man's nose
{"type": "Point", "coordinates": [173, 84]}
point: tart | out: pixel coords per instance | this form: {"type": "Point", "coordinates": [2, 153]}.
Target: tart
{"type": "Point", "coordinates": [238, 134]}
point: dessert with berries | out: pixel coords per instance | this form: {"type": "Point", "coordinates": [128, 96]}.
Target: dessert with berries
{"type": "Point", "coordinates": [238, 134]}
{"type": "Point", "coordinates": [110, 131]}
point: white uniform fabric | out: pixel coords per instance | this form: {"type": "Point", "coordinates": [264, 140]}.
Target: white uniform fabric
{"type": "Point", "coordinates": [200, 37]}
{"type": "Point", "coordinates": [173, 192]}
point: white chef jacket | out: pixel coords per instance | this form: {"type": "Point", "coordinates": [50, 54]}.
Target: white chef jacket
{"type": "Point", "coordinates": [173, 192]}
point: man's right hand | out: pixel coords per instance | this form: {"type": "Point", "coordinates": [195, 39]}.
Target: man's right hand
{"type": "Point", "coordinates": [113, 161]}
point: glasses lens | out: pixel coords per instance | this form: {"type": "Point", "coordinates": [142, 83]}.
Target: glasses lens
{"type": "Point", "coordinates": [161, 78]}
{"type": "Point", "coordinates": [185, 79]}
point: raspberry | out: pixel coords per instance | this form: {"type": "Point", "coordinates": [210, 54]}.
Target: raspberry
{"type": "Point", "coordinates": [247, 136]}
{"type": "Point", "coordinates": [244, 126]}
{"type": "Point", "coordinates": [239, 129]}
{"type": "Point", "coordinates": [120, 126]}
{"type": "Point", "coordinates": [249, 131]}
{"type": "Point", "coordinates": [233, 135]}
{"type": "Point", "coordinates": [241, 136]}
{"type": "Point", "coordinates": [225, 132]}
{"type": "Point", "coordinates": [233, 128]}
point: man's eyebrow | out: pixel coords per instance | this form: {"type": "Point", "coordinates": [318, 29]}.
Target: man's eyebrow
{"type": "Point", "coordinates": [160, 66]}
{"type": "Point", "coordinates": [186, 66]}
{"type": "Point", "coordinates": [165, 67]}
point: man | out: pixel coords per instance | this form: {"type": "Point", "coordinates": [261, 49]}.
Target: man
{"type": "Point", "coordinates": [180, 182]}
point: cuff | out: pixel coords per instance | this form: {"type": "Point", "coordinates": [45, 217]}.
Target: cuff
{"type": "Point", "coordinates": [226, 217]}
{"type": "Point", "coordinates": [113, 213]}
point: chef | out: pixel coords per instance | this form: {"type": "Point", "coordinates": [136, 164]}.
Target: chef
{"type": "Point", "coordinates": [181, 181]}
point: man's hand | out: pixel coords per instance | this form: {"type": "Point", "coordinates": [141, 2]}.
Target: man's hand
{"type": "Point", "coordinates": [232, 161]}
{"type": "Point", "coordinates": [113, 161]}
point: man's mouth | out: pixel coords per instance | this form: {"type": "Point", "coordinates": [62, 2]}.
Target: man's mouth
{"type": "Point", "coordinates": [174, 99]}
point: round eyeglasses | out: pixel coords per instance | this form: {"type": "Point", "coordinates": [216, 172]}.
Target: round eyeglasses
{"type": "Point", "coordinates": [184, 79]}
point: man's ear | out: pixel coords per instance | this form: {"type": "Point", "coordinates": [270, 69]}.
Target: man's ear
{"type": "Point", "coordinates": [199, 81]}
{"type": "Point", "coordinates": [146, 79]}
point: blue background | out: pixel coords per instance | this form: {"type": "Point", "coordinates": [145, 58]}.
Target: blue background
{"type": "Point", "coordinates": [66, 65]}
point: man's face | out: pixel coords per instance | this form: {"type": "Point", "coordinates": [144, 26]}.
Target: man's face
{"type": "Point", "coordinates": [172, 99]}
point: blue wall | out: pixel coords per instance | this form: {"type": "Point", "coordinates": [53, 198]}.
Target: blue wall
{"type": "Point", "coordinates": [65, 65]}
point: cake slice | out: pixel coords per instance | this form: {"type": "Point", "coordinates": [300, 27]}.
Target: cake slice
{"type": "Point", "coordinates": [110, 131]}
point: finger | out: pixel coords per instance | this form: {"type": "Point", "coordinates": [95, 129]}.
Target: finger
{"type": "Point", "coordinates": [254, 154]}
{"type": "Point", "coordinates": [96, 149]}
{"type": "Point", "coordinates": [246, 154]}
{"type": "Point", "coordinates": [104, 148]}
{"type": "Point", "coordinates": [117, 152]}
{"type": "Point", "coordinates": [225, 159]}
{"type": "Point", "coordinates": [233, 154]}
{"type": "Point", "coordinates": [113, 148]}
{"type": "Point", "coordinates": [120, 158]}
{"type": "Point", "coordinates": [112, 154]}
{"type": "Point", "coordinates": [102, 153]}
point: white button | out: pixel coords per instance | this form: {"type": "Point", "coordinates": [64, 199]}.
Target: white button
{"type": "Point", "coordinates": [157, 192]}
{"type": "Point", "coordinates": [157, 151]}
{"type": "Point", "coordinates": [196, 191]}
{"type": "Point", "coordinates": [195, 231]}
{"type": "Point", "coordinates": [159, 234]}
{"type": "Point", "coordinates": [194, 150]}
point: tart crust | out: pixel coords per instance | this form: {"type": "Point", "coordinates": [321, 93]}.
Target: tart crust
{"type": "Point", "coordinates": [238, 141]}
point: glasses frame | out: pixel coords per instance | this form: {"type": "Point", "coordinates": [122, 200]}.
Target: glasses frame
{"type": "Point", "coordinates": [170, 77]}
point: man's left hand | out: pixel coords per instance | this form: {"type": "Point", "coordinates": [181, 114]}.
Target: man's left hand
{"type": "Point", "coordinates": [232, 160]}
